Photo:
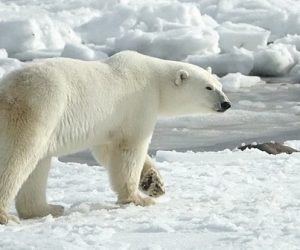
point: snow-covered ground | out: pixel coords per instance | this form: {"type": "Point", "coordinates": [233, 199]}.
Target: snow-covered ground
{"type": "Point", "coordinates": [214, 200]}
{"type": "Point", "coordinates": [217, 198]}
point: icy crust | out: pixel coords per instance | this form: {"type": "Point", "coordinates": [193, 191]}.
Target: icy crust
{"type": "Point", "coordinates": [216, 200]}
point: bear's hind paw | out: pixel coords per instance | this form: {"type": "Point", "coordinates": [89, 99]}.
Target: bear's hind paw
{"type": "Point", "coordinates": [3, 218]}
{"type": "Point", "coordinates": [138, 200]}
{"type": "Point", "coordinates": [56, 210]}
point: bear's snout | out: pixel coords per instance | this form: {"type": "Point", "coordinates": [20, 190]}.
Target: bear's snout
{"type": "Point", "coordinates": [224, 106]}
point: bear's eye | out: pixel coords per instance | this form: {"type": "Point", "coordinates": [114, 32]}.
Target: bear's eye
{"type": "Point", "coordinates": [209, 88]}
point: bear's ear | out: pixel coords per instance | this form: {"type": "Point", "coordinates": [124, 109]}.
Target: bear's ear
{"type": "Point", "coordinates": [181, 75]}
{"type": "Point", "coordinates": [208, 69]}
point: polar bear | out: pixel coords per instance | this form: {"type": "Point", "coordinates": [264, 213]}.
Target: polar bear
{"type": "Point", "coordinates": [59, 106]}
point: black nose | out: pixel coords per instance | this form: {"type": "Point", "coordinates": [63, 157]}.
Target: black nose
{"type": "Point", "coordinates": [225, 105]}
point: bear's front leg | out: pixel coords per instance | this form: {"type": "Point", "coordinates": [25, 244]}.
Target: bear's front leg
{"type": "Point", "coordinates": [151, 182]}
{"type": "Point", "coordinates": [125, 167]}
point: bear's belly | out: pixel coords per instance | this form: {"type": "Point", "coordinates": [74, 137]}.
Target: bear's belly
{"type": "Point", "coordinates": [73, 139]}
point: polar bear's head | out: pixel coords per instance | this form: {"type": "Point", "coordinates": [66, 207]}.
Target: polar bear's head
{"type": "Point", "coordinates": [192, 90]}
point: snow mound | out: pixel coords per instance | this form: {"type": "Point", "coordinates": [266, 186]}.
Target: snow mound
{"type": "Point", "coordinates": [31, 35]}
{"type": "Point", "coordinates": [290, 39]}
{"type": "Point", "coordinates": [275, 60]}
{"type": "Point", "coordinates": [234, 81]}
{"type": "Point", "coordinates": [111, 24]}
{"type": "Point", "coordinates": [241, 35]}
{"type": "Point", "coordinates": [170, 31]}
{"type": "Point", "coordinates": [174, 44]}
{"type": "Point", "coordinates": [276, 16]}
{"type": "Point", "coordinates": [238, 60]}
{"type": "Point", "coordinates": [81, 51]}
{"type": "Point", "coordinates": [8, 64]}
{"type": "Point", "coordinates": [17, 36]}
{"type": "Point", "coordinates": [3, 53]}
{"type": "Point", "coordinates": [195, 31]}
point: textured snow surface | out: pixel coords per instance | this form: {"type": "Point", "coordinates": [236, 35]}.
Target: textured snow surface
{"type": "Point", "coordinates": [214, 200]}
{"type": "Point", "coordinates": [202, 32]}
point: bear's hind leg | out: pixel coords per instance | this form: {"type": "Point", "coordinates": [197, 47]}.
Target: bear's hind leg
{"type": "Point", "coordinates": [31, 200]}
{"type": "Point", "coordinates": [125, 167]}
{"type": "Point", "coordinates": [22, 142]}
{"type": "Point", "coordinates": [12, 176]}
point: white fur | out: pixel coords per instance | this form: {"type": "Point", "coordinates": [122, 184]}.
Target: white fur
{"type": "Point", "coordinates": [60, 106]}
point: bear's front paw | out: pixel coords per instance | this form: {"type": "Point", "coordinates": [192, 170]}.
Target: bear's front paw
{"type": "Point", "coordinates": [151, 183]}
{"type": "Point", "coordinates": [137, 200]}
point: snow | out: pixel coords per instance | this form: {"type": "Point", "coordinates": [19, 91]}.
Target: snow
{"type": "Point", "coordinates": [108, 25]}
{"type": "Point", "coordinates": [188, 30]}
{"type": "Point", "coordinates": [241, 35]}
{"type": "Point", "coordinates": [295, 72]}
{"type": "Point", "coordinates": [172, 44]}
{"type": "Point", "coordinates": [26, 35]}
{"type": "Point", "coordinates": [20, 35]}
{"type": "Point", "coordinates": [290, 39]}
{"type": "Point", "coordinates": [3, 53]}
{"type": "Point", "coordinates": [81, 51]}
{"type": "Point", "coordinates": [217, 200]}
{"type": "Point", "coordinates": [275, 15]}
{"type": "Point", "coordinates": [275, 60]}
{"type": "Point", "coordinates": [237, 60]}
{"type": "Point", "coordinates": [235, 81]}
{"type": "Point", "coordinates": [8, 64]}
